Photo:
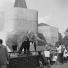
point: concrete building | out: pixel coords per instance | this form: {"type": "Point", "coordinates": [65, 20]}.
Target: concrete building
{"type": "Point", "coordinates": [18, 21]}
{"type": "Point", "coordinates": [50, 33]}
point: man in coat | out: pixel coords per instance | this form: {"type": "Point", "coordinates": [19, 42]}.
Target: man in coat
{"type": "Point", "coordinates": [4, 57]}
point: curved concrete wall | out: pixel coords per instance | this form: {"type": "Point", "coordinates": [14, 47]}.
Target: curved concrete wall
{"type": "Point", "coordinates": [23, 19]}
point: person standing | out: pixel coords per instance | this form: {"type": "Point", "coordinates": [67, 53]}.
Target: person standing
{"type": "Point", "coordinates": [26, 46]}
{"type": "Point", "coordinates": [47, 56]}
{"type": "Point", "coordinates": [40, 59]}
{"type": "Point", "coordinates": [4, 56]}
{"type": "Point", "coordinates": [60, 53]}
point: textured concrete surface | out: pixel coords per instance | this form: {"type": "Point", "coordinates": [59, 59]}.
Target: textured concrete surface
{"type": "Point", "coordinates": [20, 3]}
{"type": "Point", "coordinates": [21, 21]}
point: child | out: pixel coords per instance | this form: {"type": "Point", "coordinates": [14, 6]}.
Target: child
{"type": "Point", "coordinates": [54, 58]}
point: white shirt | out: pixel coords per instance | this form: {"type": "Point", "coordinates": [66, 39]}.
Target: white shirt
{"type": "Point", "coordinates": [32, 48]}
{"type": "Point", "coordinates": [59, 49]}
{"type": "Point", "coordinates": [47, 53]}
{"type": "Point", "coordinates": [54, 58]}
{"type": "Point", "coordinates": [65, 53]}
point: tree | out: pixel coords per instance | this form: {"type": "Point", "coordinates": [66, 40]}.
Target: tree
{"type": "Point", "coordinates": [65, 39]}
{"type": "Point", "coordinates": [66, 30]}
{"type": "Point", "coordinates": [60, 38]}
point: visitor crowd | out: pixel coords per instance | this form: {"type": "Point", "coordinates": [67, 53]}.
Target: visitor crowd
{"type": "Point", "coordinates": [58, 55]}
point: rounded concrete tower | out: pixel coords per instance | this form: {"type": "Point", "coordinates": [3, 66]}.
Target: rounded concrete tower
{"type": "Point", "coordinates": [22, 21]}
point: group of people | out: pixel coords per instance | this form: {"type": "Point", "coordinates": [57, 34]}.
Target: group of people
{"type": "Point", "coordinates": [27, 46]}
{"type": "Point", "coordinates": [62, 53]}
{"type": "Point", "coordinates": [57, 56]}
{"type": "Point", "coordinates": [48, 56]}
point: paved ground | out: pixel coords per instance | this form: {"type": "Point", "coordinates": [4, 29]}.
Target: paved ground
{"type": "Point", "coordinates": [65, 65]}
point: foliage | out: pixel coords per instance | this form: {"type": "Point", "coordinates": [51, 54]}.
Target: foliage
{"type": "Point", "coordinates": [59, 42]}
{"type": "Point", "coordinates": [66, 30]}
{"type": "Point", "coordinates": [65, 39]}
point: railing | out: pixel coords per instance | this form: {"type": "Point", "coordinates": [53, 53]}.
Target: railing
{"type": "Point", "coordinates": [22, 61]}
{"type": "Point", "coordinates": [23, 51]}
{"type": "Point", "coordinates": [16, 54]}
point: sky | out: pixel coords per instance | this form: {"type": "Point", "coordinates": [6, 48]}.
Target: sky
{"type": "Point", "coordinates": [52, 12]}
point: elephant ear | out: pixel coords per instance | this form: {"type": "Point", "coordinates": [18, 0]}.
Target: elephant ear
{"type": "Point", "coordinates": [15, 39]}
{"type": "Point", "coordinates": [41, 39]}
{"type": "Point", "coordinates": [11, 40]}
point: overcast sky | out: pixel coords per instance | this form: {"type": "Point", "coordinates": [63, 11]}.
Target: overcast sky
{"type": "Point", "coordinates": [52, 12]}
